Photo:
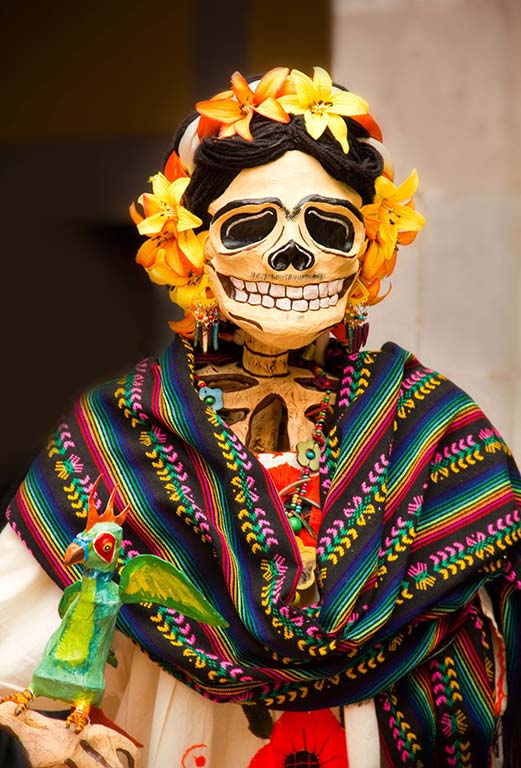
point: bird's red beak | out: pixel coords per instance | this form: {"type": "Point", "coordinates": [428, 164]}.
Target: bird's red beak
{"type": "Point", "coordinates": [73, 554]}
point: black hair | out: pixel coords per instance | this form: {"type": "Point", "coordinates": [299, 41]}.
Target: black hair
{"type": "Point", "coordinates": [219, 161]}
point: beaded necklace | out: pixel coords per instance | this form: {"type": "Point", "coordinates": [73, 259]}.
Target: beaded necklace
{"type": "Point", "coordinates": [294, 497]}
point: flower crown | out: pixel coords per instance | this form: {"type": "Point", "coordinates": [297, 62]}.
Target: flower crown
{"type": "Point", "coordinates": [173, 254]}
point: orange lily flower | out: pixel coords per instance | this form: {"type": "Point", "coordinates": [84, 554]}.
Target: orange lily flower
{"type": "Point", "coordinates": [388, 216]}
{"type": "Point", "coordinates": [167, 221]}
{"type": "Point", "coordinates": [389, 221]}
{"type": "Point", "coordinates": [322, 105]}
{"type": "Point", "coordinates": [233, 112]}
{"type": "Point", "coordinates": [173, 168]}
{"type": "Point", "coordinates": [166, 261]}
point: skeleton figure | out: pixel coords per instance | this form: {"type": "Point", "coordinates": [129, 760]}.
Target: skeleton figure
{"type": "Point", "coordinates": [282, 257]}
{"type": "Point", "coordinates": [281, 224]}
{"type": "Point", "coordinates": [285, 230]}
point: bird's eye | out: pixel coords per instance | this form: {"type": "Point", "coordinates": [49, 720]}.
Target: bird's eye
{"type": "Point", "coordinates": [104, 545]}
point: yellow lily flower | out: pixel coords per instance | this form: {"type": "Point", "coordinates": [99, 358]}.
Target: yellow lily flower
{"type": "Point", "coordinates": [321, 106]}
{"type": "Point", "coordinates": [164, 204]}
{"type": "Point", "coordinates": [388, 215]}
{"type": "Point", "coordinates": [390, 220]}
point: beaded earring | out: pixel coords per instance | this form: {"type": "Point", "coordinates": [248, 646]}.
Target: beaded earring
{"type": "Point", "coordinates": [206, 330]}
{"type": "Point", "coordinates": [357, 327]}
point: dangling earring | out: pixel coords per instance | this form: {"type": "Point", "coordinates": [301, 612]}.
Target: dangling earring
{"type": "Point", "coordinates": [206, 331]}
{"type": "Point", "coordinates": [357, 326]}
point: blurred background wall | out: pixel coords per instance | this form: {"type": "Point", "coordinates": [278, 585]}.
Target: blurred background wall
{"type": "Point", "coordinates": [444, 77]}
{"type": "Point", "coordinates": [90, 96]}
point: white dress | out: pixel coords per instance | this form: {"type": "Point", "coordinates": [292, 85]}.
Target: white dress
{"type": "Point", "coordinates": [179, 728]}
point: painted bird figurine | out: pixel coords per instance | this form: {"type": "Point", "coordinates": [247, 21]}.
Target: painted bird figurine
{"type": "Point", "coordinates": [74, 659]}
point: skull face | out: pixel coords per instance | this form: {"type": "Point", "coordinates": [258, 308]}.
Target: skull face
{"type": "Point", "coordinates": [282, 250]}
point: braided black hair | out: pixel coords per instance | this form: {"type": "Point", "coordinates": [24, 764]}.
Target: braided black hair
{"type": "Point", "coordinates": [219, 161]}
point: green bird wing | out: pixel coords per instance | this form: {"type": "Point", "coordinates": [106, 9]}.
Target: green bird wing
{"type": "Point", "coordinates": [149, 579]}
{"type": "Point", "coordinates": [69, 593]}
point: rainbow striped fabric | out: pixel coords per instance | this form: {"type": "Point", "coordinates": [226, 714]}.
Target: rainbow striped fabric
{"type": "Point", "coordinates": [421, 508]}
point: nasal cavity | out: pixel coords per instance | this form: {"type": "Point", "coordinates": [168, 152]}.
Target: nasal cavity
{"type": "Point", "coordinates": [292, 254]}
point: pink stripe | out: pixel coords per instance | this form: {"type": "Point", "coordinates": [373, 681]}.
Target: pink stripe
{"type": "Point", "coordinates": [338, 486]}
{"type": "Point", "coordinates": [480, 512]}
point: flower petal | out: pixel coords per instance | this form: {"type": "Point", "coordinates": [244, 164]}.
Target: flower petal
{"type": "Point", "coordinates": [272, 109]}
{"type": "Point", "coordinates": [408, 187]}
{"type": "Point", "coordinates": [183, 296]}
{"type": "Point", "coordinates": [224, 110]}
{"type": "Point", "coordinates": [191, 248]}
{"type": "Point", "coordinates": [406, 219]}
{"type": "Point", "coordinates": [373, 260]}
{"type": "Point", "coordinates": [315, 124]}
{"type": "Point", "coordinates": [371, 214]}
{"type": "Point", "coordinates": [270, 84]}
{"type": "Point", "coordinates": [150, 204]}
{"type": "Point", "coordinates": [266, 757]}
{"type": "Point", "coordinates": [176, 191]}
{"type": "Point", "coordinates": [406, 238]}
{"type": "Point", "coordinates": [391, 262]}
{"type": "Point", "coordinates": [338, 128]}
{"type": "Point", "coordinates": [347, 103]}
{"type": "Point", "coordinates": [186, 219]}
{"type": "Point", "coordinates": [384, 188]}
{"type": "Point", "coordinates": [146, 253]}
{"type": "Point", "coordinates": [292, 105]}
{"type": "Point", "coordinates": [160, 271]}
{"type": "Point", "coordinates": [173, 168]}
{"type": "Point", "coordinates": [387, 233]}
{"type": "Point", "coordinates": [193, 292]}
{"type": "Point", "coordinates": [160, 185]}
{"type": "Point", "coordinates": [152, 225]}
{"type": "Point", "coordinates": [370, 124]}
{"type": "Point", "coordinates": [184, 327]}
{"type": "Point", "coordinates": [240, 127]}
{"type": "Point", "coordinates": [323, 83]}
{"type": "Point", "coordinates": [207, 127]}
{"type": "Point", "coordinates": [243, 92]}
{"type": "Point", "coordinates": [228, 94]}
{"type": "Point", "coordinates": [306, 91]}
{"type": "Point", "coordinates": [134, 213]}
{"type": "Point", "coordinates": [374, 298]}
{"type": "Point", "coordinates": [175, 258]}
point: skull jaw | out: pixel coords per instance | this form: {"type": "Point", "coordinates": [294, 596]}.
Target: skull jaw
{"type": "Point", "coordinates": [282, 329]}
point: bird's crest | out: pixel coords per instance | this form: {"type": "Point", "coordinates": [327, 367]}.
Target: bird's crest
{"type": "Point", "coordinates": [108, 515]}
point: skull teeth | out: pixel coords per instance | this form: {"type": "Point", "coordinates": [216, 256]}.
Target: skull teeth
{"type": "Point", "coordinates": [299, 298]}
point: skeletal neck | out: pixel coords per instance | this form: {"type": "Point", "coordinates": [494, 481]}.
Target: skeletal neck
{"type": "Point", "coordinates": [262, 360]}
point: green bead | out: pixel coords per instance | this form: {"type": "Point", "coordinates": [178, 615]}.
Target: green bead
{"type": "Point", "coordinates": [209, 400]}
{"type": "Point", "coordinates": [296, 525]}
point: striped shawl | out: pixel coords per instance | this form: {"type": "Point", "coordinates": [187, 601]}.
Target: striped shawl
{"type": "Point", "coordinates": [420, 501]}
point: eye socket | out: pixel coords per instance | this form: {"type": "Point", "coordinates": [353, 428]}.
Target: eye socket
{"type": "Point", "coordinates": [330, 230]}
{"type": "Point", "coordinates": [247, 228]}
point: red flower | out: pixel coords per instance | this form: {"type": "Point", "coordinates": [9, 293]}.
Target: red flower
{"type": "Point", "coordinates": [304, 740]}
